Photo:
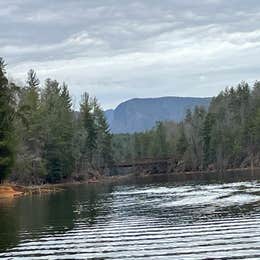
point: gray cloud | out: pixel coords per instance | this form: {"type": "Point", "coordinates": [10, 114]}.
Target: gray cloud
{"type": "Point", "coordinates": [123, 49]}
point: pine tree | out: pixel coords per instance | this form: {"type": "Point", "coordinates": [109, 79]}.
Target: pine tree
{"type": "Point", "coordinates": [162, 145]}
{"type": "Point", "coordinates": [6, 124]}
{"type": "Point", "coordinates": [104, 138]}
{"type": "Point", "coordinates": [207, 136]}
{"type": "Point", "coordinates": [182, 143]}
{"type": "Point", "coordinates": [29, 166]}
{"type": "Point", "coordinates": [88, 123]}
{"type": "Point", "coordinates": [57, 130]}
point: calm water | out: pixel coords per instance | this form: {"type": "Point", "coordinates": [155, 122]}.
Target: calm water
{"type": "Point", "coordinates": [137, 221]}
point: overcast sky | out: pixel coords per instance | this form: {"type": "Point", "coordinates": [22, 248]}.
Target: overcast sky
{"type": "Point", "coordinates": [120, 49]}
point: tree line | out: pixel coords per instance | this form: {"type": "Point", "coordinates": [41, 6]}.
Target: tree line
{"type": "Point", "coordinates": [42, 139]}
{"type": "Point", "coordinates": [226, 135]}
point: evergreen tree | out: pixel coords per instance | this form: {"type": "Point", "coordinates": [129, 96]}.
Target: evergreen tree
{"type": "Point", "coordinates": [57, 131]}
{"type": "Point", "coordinates": [88, 123]}
{"type": "Point", "coordinates": [161, 146]}
{"type": "Point", "coordinates": [6, 124]}
{"type": "Point", "coordinates": [104, 138]}
{"type": "Point", "coordinates": [207, 139]}
{"type": "Point", "coordinates": [29, 166]}
{"type": "Point", "coordinates": [49, 141]}
{"type": "Point", "coordinates": [182, 143]}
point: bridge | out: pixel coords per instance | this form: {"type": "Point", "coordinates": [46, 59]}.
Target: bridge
{"type": "Point", "coordinates": [146, 165]}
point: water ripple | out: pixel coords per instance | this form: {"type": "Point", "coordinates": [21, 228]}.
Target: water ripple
{"type": "Point", "coordinates": [220, 221]}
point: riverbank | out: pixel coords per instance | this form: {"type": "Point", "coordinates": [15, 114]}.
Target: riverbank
{"type": "Point", "coordinates": [238, 174]}
{"type": "Point", "coordinates": [12, 190]}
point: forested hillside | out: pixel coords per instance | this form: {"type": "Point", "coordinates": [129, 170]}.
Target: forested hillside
{"type": "Point", "coordinates": [227, 135]}
{"type": "Point", "coordinates": [42, 139]}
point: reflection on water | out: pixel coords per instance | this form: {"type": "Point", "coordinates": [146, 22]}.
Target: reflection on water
{"type": "Point", "coordinates": [140, 221]}
{"type": "Point", "coordinates": [30, 217]}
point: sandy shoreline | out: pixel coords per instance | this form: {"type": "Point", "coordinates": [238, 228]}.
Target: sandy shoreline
{"type": "Point", "coordinates": [12, 190]}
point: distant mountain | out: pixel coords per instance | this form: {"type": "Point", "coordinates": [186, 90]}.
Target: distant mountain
{"type": "Point", "coordinates": [140, 114]}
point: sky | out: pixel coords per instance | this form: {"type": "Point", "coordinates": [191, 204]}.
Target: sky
{"type": "Point", "coordinates": [122, 49]}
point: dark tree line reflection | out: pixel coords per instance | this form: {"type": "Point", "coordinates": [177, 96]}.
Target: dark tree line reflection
{"type": "Point", "coordinates": [32, 216]}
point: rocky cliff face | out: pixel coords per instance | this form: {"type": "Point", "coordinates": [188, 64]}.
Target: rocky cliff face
{"type": "Point", "coordinates": [140, 114]}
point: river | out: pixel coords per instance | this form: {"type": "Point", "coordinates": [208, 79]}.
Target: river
{"type": "Point", "coordinates": [141, 220]}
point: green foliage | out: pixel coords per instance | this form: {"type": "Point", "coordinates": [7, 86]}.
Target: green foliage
{"type": "Point", "coordinates": [48, 140]}
{"type": "Point", "coordinates": [88, 123]}
{"type": "Point", "coordinates": [182, 143]}
{"type": "Point", "coordinates": [103, 154]}
{"type": "Point", "coordinates": [29, 161]}
{"type": "Point", "coordinates": [43, 140]}
{"type": "Point", "coordinates": [57, 131]}
{"type": "Point", "coordinates": [225, 136]}
{"type": "Point", "coordinates": [7, 112]}
{"type": "Point", "coordinates": [95, 150]}
{"type": "Point", "coordinates": [150, 144]}
{"type": "Point", "coordinates": [207, 133]}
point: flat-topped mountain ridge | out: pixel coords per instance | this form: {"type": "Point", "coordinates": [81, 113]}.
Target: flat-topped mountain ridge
{"type": "Point", "coordinates": [140, 114]}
